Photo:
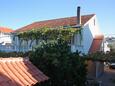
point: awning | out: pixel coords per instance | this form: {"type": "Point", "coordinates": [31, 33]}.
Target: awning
{"type": "Point", "coordinates": [19, 72]}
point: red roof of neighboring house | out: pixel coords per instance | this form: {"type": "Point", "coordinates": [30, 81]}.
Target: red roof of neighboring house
{"type": "Point", "coordinates": [71, 21]}
{"type": "Point", "coordinates": [19, 72]}
{"type": "Point", "coordinates": [96, 44]}
{"type": "Point", "coordinates": [5, 30]}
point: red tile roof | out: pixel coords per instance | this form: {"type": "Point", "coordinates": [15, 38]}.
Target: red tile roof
{"type": "Point", "coordinates": [71, 21]}
{"type": "Point", "coordinates": [96, 44]}
{"type": "Point", "coordinates": [19, 72]}
{"type": "Point", "coordinates": [5, 30]}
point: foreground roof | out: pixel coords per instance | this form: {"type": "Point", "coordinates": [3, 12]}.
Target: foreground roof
{"type": "Point", "coordinates": [5, 30]}
{"type": "Point", "coordinates": [69, 21]}
{"type": "Point", "coordinates": [19, 72]}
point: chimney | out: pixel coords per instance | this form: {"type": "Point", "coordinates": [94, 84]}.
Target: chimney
{"type": "Point", "coordinates": [78, 16]}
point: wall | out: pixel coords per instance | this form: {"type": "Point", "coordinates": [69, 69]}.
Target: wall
{"type": "Point", "coordinates": [95, 69]}
{"type": "Point", "coordinates": [90, 30]}
{"type": "Point", "coordinates": [99, 68]}
{"type": "Point", "coordinates": [86, 41]}
{"type": "Point", "coordinates": [94, 26]}
{"type": "Point", "coordinates": [106, 48]}
{"type": "Point", "coordinates": [88, 38]}
{"type": "Point", "coordinates": [91, 69]}
{"type": "Point", "coordinates": [22, 45]}
{"type": "Point", "coordinates": [5, 37]}
{"type": "Point", "coordinates": [6, 42]}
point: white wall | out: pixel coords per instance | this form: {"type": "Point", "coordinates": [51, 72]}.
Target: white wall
{"type": "Point", "coordinates": [88, 38]}
{"type": "Point", "coordinates": [106, 48]}
{"type": "Point", "coordinates": [5, 38]}
{"type": "Point", "coordinates": [6, 42]}
{"type": "Point", "coordinates": [86, 41]}
{"type": "Point", "coordinates": [94, 26]}
{"type": "Point", "coordinates": [90, 30]}
{"type": "Point", "coordinates": [22, 45]}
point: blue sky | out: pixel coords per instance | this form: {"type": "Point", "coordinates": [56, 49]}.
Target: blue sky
{"type": "Point", "coordinates": [18, 13]}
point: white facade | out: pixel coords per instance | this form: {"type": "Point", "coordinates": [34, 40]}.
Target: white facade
{"type": "Point", "coordinates": [6, 42]}
{"type": "Point", "coordinates": [106, 48]}
{"type": "Point", "coordinates": [109, 43]}
{"type": "Point", "coordinates": [22, 45]}
{"type": "Point", "coordinates": [89, 31]}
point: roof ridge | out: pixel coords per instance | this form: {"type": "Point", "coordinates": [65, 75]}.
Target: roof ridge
{"type": "Point", "coordinates": [13, 59]}
{"type": "Point", "coordinates": [62, 18]}
{"type": "Point", "coordinates": [6, 29]}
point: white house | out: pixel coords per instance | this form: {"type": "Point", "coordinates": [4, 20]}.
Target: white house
{"type": "Point", "coordinates": [106, 48]}
{"type": "Point", "coordinates": [109, 42]}
{"type": "Point", "coordinates": [5, 39]}
{"type": "Point", "coordinates": [91, 36]}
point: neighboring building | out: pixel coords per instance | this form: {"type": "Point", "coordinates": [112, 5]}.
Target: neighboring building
{"type": "Point", "coordinates": [6, 39]}
{"type": "Point", "coordinates": [109, 43]}
{"type": "Point", "coordinates": [106, 47]}
{"type": "Point", "coordinates": [91, 36]}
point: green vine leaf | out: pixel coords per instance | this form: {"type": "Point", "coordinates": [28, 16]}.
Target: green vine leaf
{"type": "Point", "coordinates": [50, 34]}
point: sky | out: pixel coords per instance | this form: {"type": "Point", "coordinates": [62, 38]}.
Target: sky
{"type": "Point", "coordinates": [18, 13]}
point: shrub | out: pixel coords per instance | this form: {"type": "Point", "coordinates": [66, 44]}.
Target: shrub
{"type": "Point", "coordinates": [11, 54]}
{"type": "Point", "coordinates": [59, 64]}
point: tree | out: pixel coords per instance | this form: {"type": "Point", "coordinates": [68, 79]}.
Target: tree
{"type": "Point", "coordinates": [63, 67]}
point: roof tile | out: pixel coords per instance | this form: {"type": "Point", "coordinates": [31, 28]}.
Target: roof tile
{"type": "Point", "coordinates": [5, 30]}
{"type": "Point", "coordinates": [96, 44]}
{"type": "Point", "coordinates": [71, 21]}
{"type": "Point", "coordinates": [19, 72]}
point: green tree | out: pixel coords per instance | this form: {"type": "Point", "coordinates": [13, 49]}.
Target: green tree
{"type": "Point", "coordinates": [63, 67]}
